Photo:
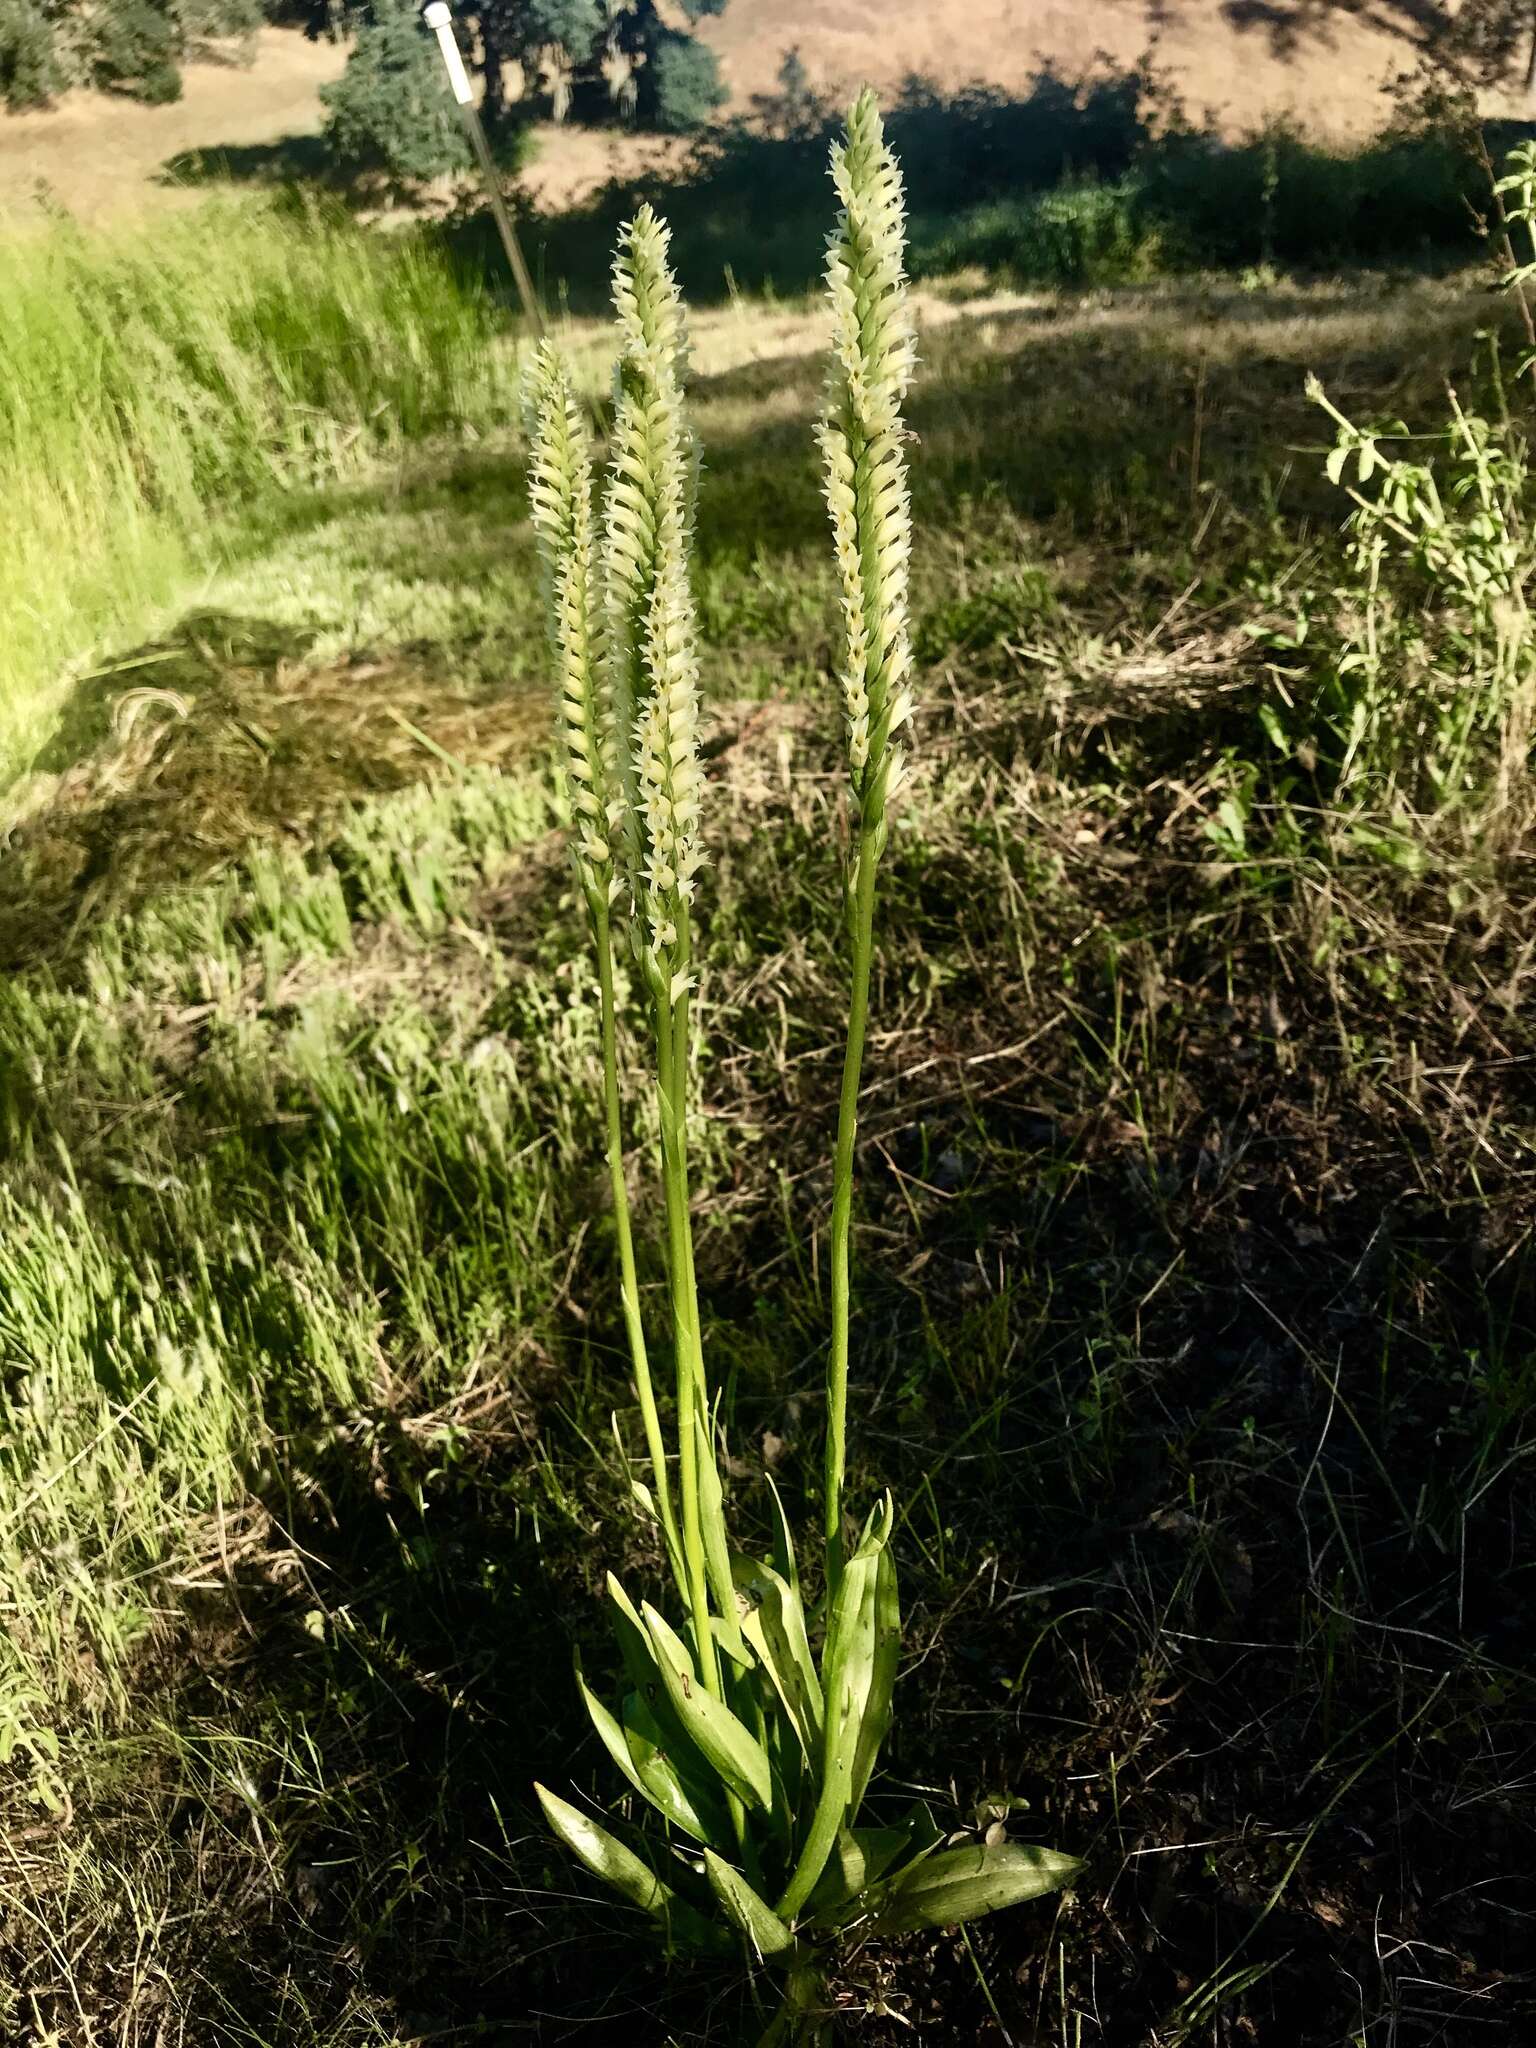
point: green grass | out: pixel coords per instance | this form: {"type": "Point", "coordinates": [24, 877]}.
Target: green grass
{"type": "Point", "coordinates": [1194, 1313]}
{"type": "Point", "coordinates": [161, 380]}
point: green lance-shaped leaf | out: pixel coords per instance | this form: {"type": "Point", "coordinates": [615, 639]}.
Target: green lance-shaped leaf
{"type": "Point", "coordinates": [774, 1624]}
{"type": "Point", "coordinates": [783, 1543]}
{"type": "Point", "coordinates": [717, 1556]}
{"type": "Point", "coordinates": [608, 1859]}
{"type": "Point", "coordinates": [752, 1915]}
{"type": "Point", "coordinates": [635, 1646]}
{"type": "Point", "coordinates": [860, 1858]}
{"type": "Point", "coordinates": [875, 1720]}
{"type": "Point", "coordinates": [849, 1671]}
{"type": "Point", "coordinates": [711, 1726]}
{"type": "Point", "coordinates": [960, 1884]}
{"type": "Point", "coordinates": [639, 1754]}
{"type": "Point", "coordinates": [648, 1731]}
{"type": "Point", "coordinates": [649, 1716]}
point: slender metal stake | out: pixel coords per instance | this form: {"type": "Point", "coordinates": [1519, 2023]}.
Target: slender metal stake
{"type": "Point", "coordinates": [439, 18]}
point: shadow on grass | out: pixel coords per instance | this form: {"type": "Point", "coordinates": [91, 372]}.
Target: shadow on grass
{"type": "Point", "coordinates": [1111, 424]}
{"type": "Point", "coordinates": [1083, 423]}
{"type": "Point", "coordinates": [1196, 1355]}
{"type": "Point", "coordinates": [307, 161]}
{"type": "Point", "coordinates": [1290, 26]}
{"type": "Point", "coordinates": [413, 1626]}
{"type": "Point", "coordinates": [1073, 181]}
{"type": "Point", "coordinates": [290, 160]}
{"type": "Point", "coordinates": [1152, 1595]}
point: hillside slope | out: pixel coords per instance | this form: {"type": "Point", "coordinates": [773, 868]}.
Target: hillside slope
{"type": "Point", "coordinates": [96, 152]}
{"type": "Point", "coordinates": [1323, 63]}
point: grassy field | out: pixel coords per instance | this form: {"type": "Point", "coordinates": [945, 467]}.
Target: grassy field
{"type": "Point", "coordinates": [167, 379]}
{"type": "Point", "coordinates": [1194, 1327]}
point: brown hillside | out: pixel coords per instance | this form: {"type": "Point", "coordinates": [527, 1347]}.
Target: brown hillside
{"type": "Point", "coordinates": [97, 152]}
{"type": "Point", "coordinates": [1322, 62]}
{"type": "Point", "coordinates": [1326, 64]}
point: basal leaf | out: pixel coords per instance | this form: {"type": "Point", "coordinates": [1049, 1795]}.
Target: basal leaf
{"type": "Point", "coordinates": [886, 1654]}
{"type": "Point", "coordinates": [847, 1670]}
{"type": "Point", "coordinates": [607, 1858]}
{"type": "Point", "coordinates": [646, 1732]}
{"type": "Point", "coordinates": [649, 1713]}
{"type": "Point", "coordinates": [635, 1645]}
{"type": "Point", "coordinates": [783, 1543]}
{"type": "Point", "coordinates": [753, 1915]}
{"type": "Point", "coordinates": [712, 1524]}
{"type": "Point", "coordinates": [710, 1725]}
{"type": "Point", "coordinates": [733, 1644]}
{"type": "Point", "coordinates": [961, 1884]}
{"type": "Point", "coordinates": [859, 1859]}
{"type": "Point", "coordinates": [773, 1622]}
{"type": "Point", "coordinates": [646, 1765]}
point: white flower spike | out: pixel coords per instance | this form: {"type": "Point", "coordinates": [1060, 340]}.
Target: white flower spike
{"type": "Point", "coordinates": [863, 443]}
{"type": "Point", "coordinates": [560, 501]}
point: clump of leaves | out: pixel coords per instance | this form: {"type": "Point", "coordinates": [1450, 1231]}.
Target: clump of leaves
{"type": "Point", "coordinates": [1421, 696]}
{"type": "Point", "coordinates": [1428, 698]}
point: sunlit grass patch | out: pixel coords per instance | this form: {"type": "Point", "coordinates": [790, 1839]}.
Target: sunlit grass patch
{"type": "Point", "coordinates": [160, 379]}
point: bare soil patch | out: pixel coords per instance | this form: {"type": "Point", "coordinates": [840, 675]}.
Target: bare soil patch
{"type": "Point", "coordinates": [1327, 66]}
{"type": "Point", "coordinates": [95, 153]}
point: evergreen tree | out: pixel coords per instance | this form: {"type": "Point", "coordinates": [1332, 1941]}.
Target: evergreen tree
{"type": "Point", "coordinates": [30, 71]}
{"type": "Point", "coordinates": [604, 58]}
{"type": "Point", "coordinates": [680, 85]}
{"type": "Point", "coordinates": [134, 47]}
{"type": "Point", "coordinates": [389, 110]}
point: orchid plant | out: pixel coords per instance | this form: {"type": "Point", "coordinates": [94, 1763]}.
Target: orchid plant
{"type": "Point", "coordinates": [752, 1722]}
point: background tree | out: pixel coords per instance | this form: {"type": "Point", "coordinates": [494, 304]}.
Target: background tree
{"type": "Point", "coordinates": [134, 47]}
{"type": "Point", "coordinates": [603, 59]}
{"type": "Point", "coordinates": [388, 111]}
{"type": "Point", "coordinates": [30, 69]}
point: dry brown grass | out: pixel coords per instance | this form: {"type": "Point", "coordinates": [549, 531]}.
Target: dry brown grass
{"type": "Point", "coordinates": [1321, 63]}
{"type": "Point", "coordinates": [96, 153]}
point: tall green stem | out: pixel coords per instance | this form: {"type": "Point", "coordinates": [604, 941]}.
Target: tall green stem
{"type": "Point", "coordinates": [629, 1286]}
{"type": "Point", "coordinates": [861, 924]}
{"type": "Point", "coordinates": [672, 1083]}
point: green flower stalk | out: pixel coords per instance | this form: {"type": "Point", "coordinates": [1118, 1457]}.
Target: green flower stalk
{"type": "Point", "coordinates": [653, 680]}
{"type": "Point", "coordinates": [754, 1748]}
{"type": "Point", "coordinates": [863, 444]}
{"type": "Point", "coordinates": [560, 502]}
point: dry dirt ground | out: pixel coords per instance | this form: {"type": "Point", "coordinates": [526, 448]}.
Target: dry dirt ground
{"type": "Point", "coordinates": [1323, 62]}
{"type": "Point", "coordinates": [1326, 63]}
{"type": "Point", "coordinates": [94, 152]}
